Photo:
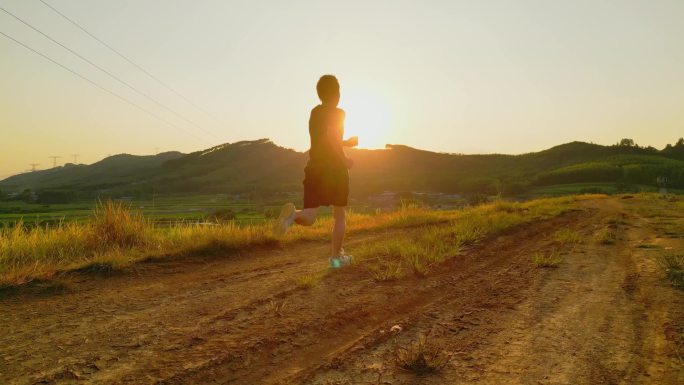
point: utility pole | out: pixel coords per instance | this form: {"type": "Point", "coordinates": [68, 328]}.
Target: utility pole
{"type": "Point", "coordinates": [33, 166]}
{"type": "Point", "coordinates": [75, 158]}
{"type": "Point", "coordinates": [54, 160]}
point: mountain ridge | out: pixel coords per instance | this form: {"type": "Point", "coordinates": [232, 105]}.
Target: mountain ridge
{"type": "Point", "coordinates": [261, 165]}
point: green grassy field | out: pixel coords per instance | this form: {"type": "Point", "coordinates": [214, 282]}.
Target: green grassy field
{"type": "Point", "coordinates": [596, 188]}
{"type": "Point", "coordinates": [164, 209]}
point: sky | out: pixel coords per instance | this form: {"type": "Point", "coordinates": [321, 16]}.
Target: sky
{"type": "Point", "coordinates": [450, 76]}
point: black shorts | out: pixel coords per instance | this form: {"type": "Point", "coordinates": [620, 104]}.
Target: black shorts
{"type": "Point", "coordinates": [325, 187]}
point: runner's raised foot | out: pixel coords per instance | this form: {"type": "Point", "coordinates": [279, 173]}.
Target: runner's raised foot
{"type": "Point", "coordinates": [284, 220]}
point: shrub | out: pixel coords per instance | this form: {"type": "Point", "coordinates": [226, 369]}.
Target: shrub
{"type": "Point", "coordinates": [114, 225]}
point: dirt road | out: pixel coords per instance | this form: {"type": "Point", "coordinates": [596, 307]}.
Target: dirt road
{"type": "Point", "coordinates": [605, 315]}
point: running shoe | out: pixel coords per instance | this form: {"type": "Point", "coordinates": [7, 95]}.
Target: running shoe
{"type": "Point", "coordinates": [335, 263]}
{"type": "Point", "coordinates": [284, 220]}
{"type": "Point", "coordinates": [340, 260]}
{"type": "Point", "coordinates": [345, 259]}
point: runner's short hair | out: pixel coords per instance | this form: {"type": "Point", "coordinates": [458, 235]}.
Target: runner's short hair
{"type": "Point", "coordinates": [327, 87]}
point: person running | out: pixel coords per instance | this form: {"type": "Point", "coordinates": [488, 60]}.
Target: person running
{"type": "Point", "coordinates": [326, 176]}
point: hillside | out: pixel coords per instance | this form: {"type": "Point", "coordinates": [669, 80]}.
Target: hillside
{"type": "Point", "coordinates": [113, 171]}
{"type": "Point", "coordinates": [263, 166]}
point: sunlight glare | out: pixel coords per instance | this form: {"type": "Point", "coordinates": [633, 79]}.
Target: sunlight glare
{"type": "Point", "coordinates": [368, 117]}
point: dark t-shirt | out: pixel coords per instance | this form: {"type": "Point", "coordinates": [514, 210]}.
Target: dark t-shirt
{"type": "Point", "coordinates": [326, 128]}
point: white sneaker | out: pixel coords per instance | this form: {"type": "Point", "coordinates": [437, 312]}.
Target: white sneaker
{"type": "Point", "coordinates": [345, 259]}
{"type": "Point", "coordinates": [284, 220]}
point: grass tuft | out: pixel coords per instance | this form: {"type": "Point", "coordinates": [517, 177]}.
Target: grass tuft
{"type": "Point", "coordinates": [114, 225]}
{"type": "Point", "coordinates": [674, 269]}
{"type": "Point", "coordinates": [552, 260]}
{"type": "Point", "coordinates": [277, 308]}
{"type": "Point", "coordinates": [422, 356]}
{"type": "Point", "coordinates": [310, 280]}
{"type": "Point", "coordinates": [606, 236]}
{"type": "Point", "coordinates": [386, 270]}
{"type": "Point", "coordinates": [567, 236]}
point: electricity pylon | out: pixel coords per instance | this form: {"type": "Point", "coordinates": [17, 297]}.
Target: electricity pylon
{"type": "Point", "coordinates": [54, 160]}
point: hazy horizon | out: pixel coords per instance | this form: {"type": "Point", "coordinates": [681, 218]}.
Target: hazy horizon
{"type": "Point", "coordinates": [446, 76]}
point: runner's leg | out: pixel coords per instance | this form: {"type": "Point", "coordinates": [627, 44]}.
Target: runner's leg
{"type": "Point", "coordinates": [338, 229]}
{"type": "Point", "coordinates": [305, 217]}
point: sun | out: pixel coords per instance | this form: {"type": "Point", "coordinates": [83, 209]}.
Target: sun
{"type": "Point", "coordinates": [368, 117]}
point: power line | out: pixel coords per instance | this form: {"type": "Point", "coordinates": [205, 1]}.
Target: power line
{"type": "Point", "coordinates": [99, 86]}
{"type": "Point", "coordinates": [126, 58]}
{"type": "Point", "coordinates": [107, 72]}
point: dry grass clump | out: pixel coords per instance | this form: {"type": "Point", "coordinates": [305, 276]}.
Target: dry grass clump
{"type": "Point", "coordinates": [606, 236]}
{"type": "Point", "coordinates": [277, 308]}
{"type": "Point", "coordinates": [310, 280]}
{"type": "Point", "coordinates": [386, 270]}
{"type": "Point", "coordinates": [422, 356]}
{"type": "Point", "coordinates": [388, 257]}
{"type": "Point", "coordinates": [542, 260]}
{"type": "Point", "coordinates": [114, 225]}
{"type": "Point", "coordinates": [567, 236]}
{"type": "Point", "coordinates": [674, 269]}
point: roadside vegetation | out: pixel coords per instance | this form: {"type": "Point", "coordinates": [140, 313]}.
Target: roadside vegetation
{"type": "Point", "coordinates": [115, 237]}
{"type": "Point", "coordinates": [421, 250]}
